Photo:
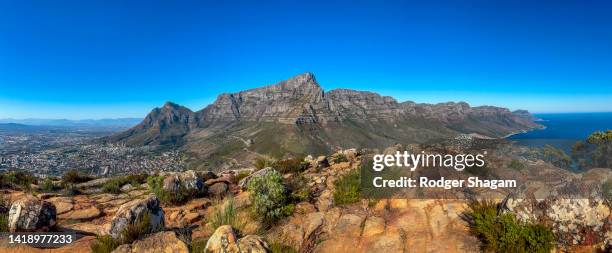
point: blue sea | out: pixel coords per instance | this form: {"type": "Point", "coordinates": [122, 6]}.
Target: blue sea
{"type": "Point", "coordinates": [564, 129]}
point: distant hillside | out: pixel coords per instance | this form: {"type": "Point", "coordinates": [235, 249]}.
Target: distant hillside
{"type": "Point", "coordinates": [297, 116]}
{"type": "Point", "coordinates": [120, 122]}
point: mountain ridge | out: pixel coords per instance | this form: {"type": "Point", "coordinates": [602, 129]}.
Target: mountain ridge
{"type": "Point", "coordinates": [297, 116]}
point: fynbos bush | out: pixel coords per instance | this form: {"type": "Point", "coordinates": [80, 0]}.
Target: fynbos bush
{"type": "Point", "coordinates": [268, 197]}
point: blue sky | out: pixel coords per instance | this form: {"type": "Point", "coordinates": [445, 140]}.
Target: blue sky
{"type": "Point", "coordinates": [105, 59]}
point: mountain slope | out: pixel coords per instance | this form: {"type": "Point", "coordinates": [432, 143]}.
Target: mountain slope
{"type": "Point", "coordinates": [297, 116]}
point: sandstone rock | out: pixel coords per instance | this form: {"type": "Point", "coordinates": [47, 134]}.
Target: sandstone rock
{"type": "Point", "coordinates": [30, 214]}
{"type": "Point", "coordinates": [373, 226]}
{"type": "Point", "coordinates": [191, 181]}
{"type": "Point", "coordinates": [171, 183]}
{"type": "Point", "coordinates": [349, 225]}
{"type": "Point", "coordinates": [206, 175]}
{"type": "Point", "coordinates": [320, 162]}
{"type": "Point", "coordinates": [245, 181]}
{"type": "Point", "coordinates": [127, 188]}
{"type": "Point", "coordinates": [62, 204]}
{"type": "Point", "coordinates": [82, 214]}
{"type": "Point", "coordinates": [162, 242]}
{"type": "Point", "coordinates": [253, 244]}
{"type": "Point", "coordinates": [223, 240]}
{"type": "Point", "coordinates": [325, 201]}
{"type": "Point", "coordinates": [218, 190]}
{"type": "Point", "coordinates": [129, 212]}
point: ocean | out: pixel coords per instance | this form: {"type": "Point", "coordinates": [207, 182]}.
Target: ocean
{"type": "Point", "coordinates": [564, 129]}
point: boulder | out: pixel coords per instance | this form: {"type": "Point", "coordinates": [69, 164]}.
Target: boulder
{"type": "Point", "coordinates": [191, 181]}
{"type": "Point", "coordinates": [218, 190]}
{"type": "Point", "coordinates": [129, 212]}
{"type": "Point", "coordinates": [206, 175]}
{"type": "Point", "coordinates": [253, 244]}
{"type": "Point", "coordinates": [244, 183]}
{"type": "Point", "coordinates": [30, 214]}
{"type": "Point", "coordinates": [224, 240]}
{"type": "Point", "coordinates": [161, 242]}
{"type": "Point", "coordinates": [320, 162]}
{"type": "Point", "coordinates": [171, 183]}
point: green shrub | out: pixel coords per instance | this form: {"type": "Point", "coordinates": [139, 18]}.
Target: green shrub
{"type": "Point", "coordinates": [300, 191]}
{"type": "Point", "coordinates": [281, 248]}
{"type": "Point", "coordinates": [114, 185]}
{"type": "Point", "coordinates": [104, 244]}
{"type": "Point", "coordinates": [262, 162]}
{"type": "Point", "coordinates": [339, 158]}
{"type": "Point", "coordinates": [75, 177]}
{"type": "Point", "coordinates": [48, 185]}
{"type": "Point", "coordinates": [516, 165]}
{"type": "Point", "coordinates": [21, 179]}
{"type": "Point", "coordinates": [156, 184]}
{"type": "Point", "coordinates": [291, 165]}
{"type": "Point", "coordinates": [556, 156]}
{"type": "Point", "coordinates": [71, 190]}
{"type": "Point", "coordinates": [241, 175]}
{"type": "Point", "coordinates": [198, 246]}
{"type": "Point", "coordinates": [347, 188]}
{"type": "Point", "coordinates": [504, 233]}
{"type": "Point", "coordinates": [268, 197]}
{"type": "Point", "coordinates": [4, 209]}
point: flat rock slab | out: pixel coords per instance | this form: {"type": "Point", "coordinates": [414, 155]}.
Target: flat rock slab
{"type": "Point", "coordinates": [89, 213]}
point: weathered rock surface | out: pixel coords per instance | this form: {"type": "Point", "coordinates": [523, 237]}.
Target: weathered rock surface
{"type": "Point", "coordinates": [129, 212]}
{"type": "Point", "coordinates": [574, 221]}
{"type": "Point", "coordinates": [224, 240]}
{"type": "Point", "coordinates": [162, 242]}
{"type": "Point", "coordinates": [30, 214]}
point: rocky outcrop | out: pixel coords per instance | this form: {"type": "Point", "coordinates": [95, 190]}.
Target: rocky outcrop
{"type": "Point", "coordinates": [187, 180]}
{"type": "Point", "coordinates": [130, 212]}
{"type": "Point", "coordinates": [225, 240]}
{"type": "Point", "coordinates": [161, 242]}
{"type": "Point", "coordinates": [573, 221]}
{"type": "Point", "coordinates": [30, 214]}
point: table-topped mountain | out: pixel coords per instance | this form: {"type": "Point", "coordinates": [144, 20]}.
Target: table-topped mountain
{"type": "Point", "coordinates": [298, 116]}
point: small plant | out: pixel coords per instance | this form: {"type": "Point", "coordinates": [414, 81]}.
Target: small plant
{"type": "Point", "coordinates": [347, 189]}
{"type": "Point", "coordinates": [262, 162]}
{"type": "Point", "coordinates": [504, 233]}
{"type": "Point", "coordinates": [71, 190]}
{"type": "Point", "coordinates": [291, 165]}
{"type": "Point", "coordinates": [4, 209]}
{"type": "Point", "coordinates": [516, 165]}
{"type": "Point", "coordinates": [114, 185]}
{"type": "Point", "coordinates": [198, 246]}
{"type": "Point", "coordinates": [20, 179]}
{"type": "Point", "coordinates": [182, 195]}
{"type": "Point", "coordinates": [132, 232]}
{"type": "Point", "coordinates": [104, 244]}
{"type": "Point", "coordinates": [225, 214]}
{"type": "Point", "coordinates": [268, 197]}
{"type": "Point", "coordinates": [74, 177]}
{"type": "Point", "coordinates": [241, 175]}
{"type": "Point", "coordinates": [281, 248]}
{"type": "Point", "coordinates": [339, 158]}
{"type": "Point", "coordinates": [48, 186]}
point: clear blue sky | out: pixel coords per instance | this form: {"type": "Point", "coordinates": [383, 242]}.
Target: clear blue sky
{"type": "Point", "coordinates": [101, 59]}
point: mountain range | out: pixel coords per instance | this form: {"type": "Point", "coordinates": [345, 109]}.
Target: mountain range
{"type": "Point", "coordinates": [297, 116]}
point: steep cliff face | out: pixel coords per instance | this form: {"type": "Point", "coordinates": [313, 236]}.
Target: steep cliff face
{"type": "Point", "coordinates": [297, 116]}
